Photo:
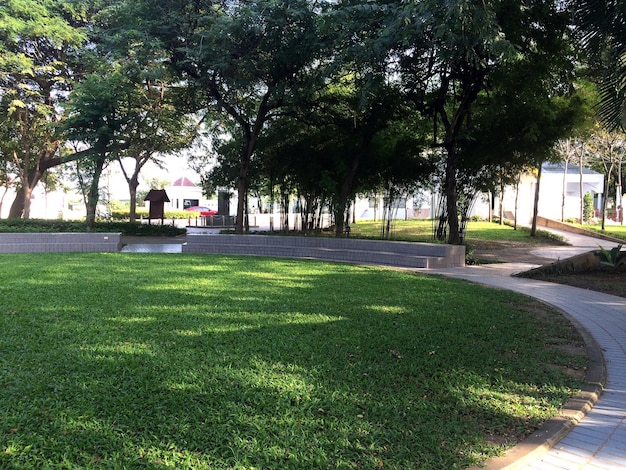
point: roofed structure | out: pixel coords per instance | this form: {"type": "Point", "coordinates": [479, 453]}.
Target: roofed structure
{"type": "Point", "coordinates": [184, 181]}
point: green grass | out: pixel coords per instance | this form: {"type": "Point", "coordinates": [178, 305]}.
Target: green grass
{"type": "Point", "coordinates": [421, 230]}
{"type": "Point", "coordinates": [617, 231]}
{"type": "Point", "coordinates": [187, 361]}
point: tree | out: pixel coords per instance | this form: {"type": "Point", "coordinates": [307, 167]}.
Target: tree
{"type": "Point", "coordinates": [601, 26]}
{"type": "Point", "coordinates": [568, 152]}
{"type": "Point", "coordinates": [97, 122]}
{"type": "Point", "coordinates": [39, 48]}
{"type": "Point", "coordinates": [452, 48]}
{"type": "Point", "coordinates": [155, 127]}
{"type": "Point", "coordinates": [247, 58]}
{"type": "Point", "coordinates": [156, 116]}
{"type": "Point", "coordinates": [607, 151]}
{"type": "Point", "coordinates": [572, 148]}
{"type": "Point", "coordinates": [451, 55]}
{"type": "Point", "coordinates": [341, 142]}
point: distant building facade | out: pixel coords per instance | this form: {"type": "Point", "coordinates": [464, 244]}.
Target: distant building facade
{"type": "Point", "coordinates": [183, 194]}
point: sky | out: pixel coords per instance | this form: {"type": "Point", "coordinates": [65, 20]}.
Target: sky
{"type": "Point", "coordinates": [176, 167]}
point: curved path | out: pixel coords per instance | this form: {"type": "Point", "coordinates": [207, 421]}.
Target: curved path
{"type": "Point", "coordinates": [598, 441]}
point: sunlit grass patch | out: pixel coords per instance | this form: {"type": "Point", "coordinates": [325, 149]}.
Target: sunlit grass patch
{"type": "Point", "coordinates": [614, 230]}
{"type": "Point", "coordinates": [422, 230]}
{"type": "Point", "coordinates": [130, 360]}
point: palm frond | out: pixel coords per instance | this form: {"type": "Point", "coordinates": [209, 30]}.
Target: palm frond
{"type": "Point", "coordinates": [602, 28]}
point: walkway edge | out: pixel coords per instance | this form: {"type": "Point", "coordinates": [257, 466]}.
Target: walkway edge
{"type": "Point", "coordinates": [555, 429]}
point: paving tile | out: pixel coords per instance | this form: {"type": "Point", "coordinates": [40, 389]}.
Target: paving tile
{"type": "Point", "coordinates": [577, 450]}
{"type": "Point", "coordinates": [560, 459]}
{"type": "Point", "coordinates": [590, 443]}
{"type": "Point", "coordinates": [596, 442]}
{"type": "Point", "coordinates": [609, 461]}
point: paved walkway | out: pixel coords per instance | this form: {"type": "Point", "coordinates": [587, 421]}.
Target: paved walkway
{"type": "Point", "coordinates": [598, 441]}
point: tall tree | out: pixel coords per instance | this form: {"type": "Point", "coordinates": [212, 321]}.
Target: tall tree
{"type": "Point", "coordinates": [96, 121]}
{"type": "Point", "coordinates": [449, 55]}
{"type": "Point", "coordinates": [155, 109]}
{"type": "Point", "coordinates": [607, 152]}
{"type": "Point", "coordinates": [39, 44]}
{"type": "Point", "coordinates": [248, 58]}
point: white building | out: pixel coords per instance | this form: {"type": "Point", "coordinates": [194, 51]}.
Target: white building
{"type": "Point", "coordinates": [555, 184]}
{"type": "Point", "coordinates": [183, 193]}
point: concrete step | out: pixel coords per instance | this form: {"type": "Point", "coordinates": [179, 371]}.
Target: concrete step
{"type": "Point", "coordinates": [379, 252]}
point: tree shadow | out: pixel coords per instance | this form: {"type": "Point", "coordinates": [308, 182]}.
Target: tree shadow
{"type": "Point", "coordinates": [280, 366]}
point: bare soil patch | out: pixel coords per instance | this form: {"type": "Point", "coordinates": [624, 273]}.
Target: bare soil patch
{"type": "Point", "coordinates": [606, 280]}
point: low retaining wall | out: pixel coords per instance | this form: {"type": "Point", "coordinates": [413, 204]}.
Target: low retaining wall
{"type": "Point", "coordinates": [60, 242]}
{"type": "Point", "coordinates": [543, 222]}
{"type": "Point", "coordinates": [351, 250]}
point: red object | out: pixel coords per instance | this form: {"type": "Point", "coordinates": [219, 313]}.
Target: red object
{"type": "Point", "coordinates": [202, 209]}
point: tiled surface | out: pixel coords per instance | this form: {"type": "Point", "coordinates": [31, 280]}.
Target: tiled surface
{"type": "Point", "coordinates": [59, 242]}
{"type": "Point", "coordinates": [153, 248]}
{"type": "Point", "coordinates": [378, 252]}
{"type": "Point", "coordinates": [599, 440]}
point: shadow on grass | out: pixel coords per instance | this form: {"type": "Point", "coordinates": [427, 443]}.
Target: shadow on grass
{"type": "Point", "coordinates": [211, 362]}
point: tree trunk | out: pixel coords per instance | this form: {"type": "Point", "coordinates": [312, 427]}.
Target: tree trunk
{"type": "Point", "coordinates": [133, 182]}
{"type": "Point", "coordinates": [94, 192]}
{"type": "Point", "coordinates": [516, 201]}
{"type": "Point", "coordinates": [580, 188]}
{"type": "Point", "coordinates": [21, 204]}
{"type": "Point", "coordinates": [452, 196]}
{"type": "Point", "coordinates": [132, 190]}
{"type": "Point", "coordinates": [28, 193]}
{"type": "Point", "coordinates": [242, 184]}
{"type": "Point", "coordinates": [346, 189]}
{"type": "Point", "coordinates": [564, 190]}
{"type": "Point", "coordinates": [606, 186]}
{"type": "Point", "coordinates": [17, 207]}
{"type": "Point", "coordinates": [501, 208]}
{"type": "Point", "coordinates": [533, 229]}
{"type": "Point", "coordinates": [619, 203]}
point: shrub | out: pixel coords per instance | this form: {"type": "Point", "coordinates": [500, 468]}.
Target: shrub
{"type": "Point", "coordinates": [587, 207]}
{"type": "Point", "coordinates": [143, 214]}
{"type": "Point", "coordinates": [613, 257]}
{"type": "Point", "coordinates": [126, 228]}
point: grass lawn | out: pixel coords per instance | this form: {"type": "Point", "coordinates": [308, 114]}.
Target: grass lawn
{"type": "Point", "coordinates": [618, 231]}
{"type": "Point", "coordinates": [478, 233]}
{"type": "Point", "coordinates": [207, 362]}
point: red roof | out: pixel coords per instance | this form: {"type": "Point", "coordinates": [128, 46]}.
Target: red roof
{"type": "Point", "coordinates": [183, 182]}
